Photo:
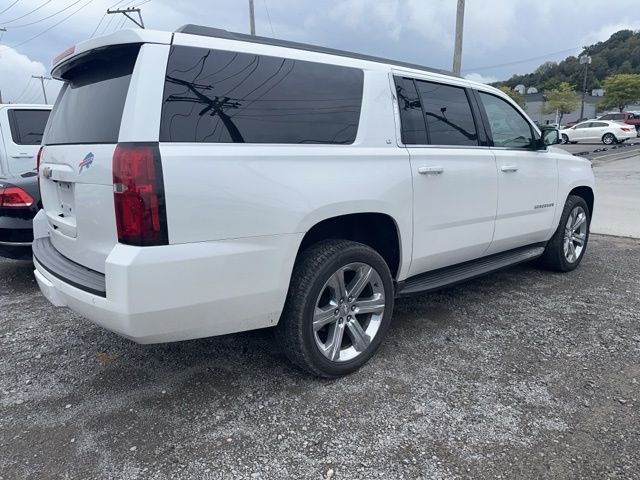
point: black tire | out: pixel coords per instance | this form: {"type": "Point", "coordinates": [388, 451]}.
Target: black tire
{"type": "Point", "coordinates": [609, 139]}
{"type": "Point", "coordinates": [312, 270]}
{"type": "Point", "coordinates": [553, 257]}
{"type": "Point", "coordinates": [573, 143]}
{"type": "Point", "coordinates": [565, 138]}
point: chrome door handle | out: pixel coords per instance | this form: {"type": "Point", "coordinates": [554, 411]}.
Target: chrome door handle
{"type": "Point", "coordinates": [22, 155]}
{"type": "Point", "coordinates": [430, 170]}
{"type": "Point", "coordinates": [509, 168]}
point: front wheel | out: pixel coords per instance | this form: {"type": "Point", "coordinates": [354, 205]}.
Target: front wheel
{"type": "Point", "coordinates": [609, 139]}
{"type": "Point", "coordinates": [565, 138]}
{"type": "Point", "coordinates": [338, 308]}
{"type": "Point", "coordinates": [566, 248]}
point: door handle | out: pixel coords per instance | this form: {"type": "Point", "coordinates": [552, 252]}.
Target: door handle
{"type": "Point", "coordinates": [509, 168]}
{"type": "Point", "coordinates": [22, 155]}
{"type": "Point", "coordinates": [430, 170]}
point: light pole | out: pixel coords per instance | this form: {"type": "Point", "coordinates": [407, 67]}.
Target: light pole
{"type": "Point", "coordinates": [584, 60]}
{"type": "Point", "coordinates": [457, 49]}
{"type": "Point", "coordinates": [252, 18]}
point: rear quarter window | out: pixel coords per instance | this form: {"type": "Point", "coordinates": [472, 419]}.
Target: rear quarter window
{"type": "Point", "coordinates": [27, 126]}
{"type": "Point", "coordinates": [213, 96]}
{"type": "Point", "coordinates": [90, 105]}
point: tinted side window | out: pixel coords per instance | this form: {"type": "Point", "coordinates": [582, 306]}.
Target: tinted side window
{"type": "Point", "coordinates": [414, 130]}
{"type": "Point", "coordinates": [216, 96]}
{"type": "Point", "coordinates": [606, 117]}
{"type": "Point", "coordinates": [583, 125]}
{"type": "Point", "coordinates": [90, 105]}
{"type": "Point", "coordinates": [597, 124]}
{"type": "Point", "coordinates": [27, 126]}
{"type": "Point", "coordinates": [508, 127]}
{"type": "Point", "coordinates": [448, 114]}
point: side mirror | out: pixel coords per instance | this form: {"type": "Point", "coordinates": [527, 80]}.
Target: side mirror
{"type": "Point", "coordinates": [550, 136]}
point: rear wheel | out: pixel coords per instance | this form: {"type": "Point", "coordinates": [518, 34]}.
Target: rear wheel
{"type": "Point", "coordinates": [338, 308]}
{"type": "Point", "coordinates": [609, 139]}
{"type": "Point", "coordinates": [566, 248]}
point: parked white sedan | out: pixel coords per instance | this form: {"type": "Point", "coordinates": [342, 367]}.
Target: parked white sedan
{"type": "Point", "coordinates": [598, 131]}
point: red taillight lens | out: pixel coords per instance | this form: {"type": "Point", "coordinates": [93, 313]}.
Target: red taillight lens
{"type": "Point", "coordinates": [14, 197]}
{"type": "Point", "coordinates": [625, 129]}
{"type": "Point", "coordinates": [38, 156]}
{"type": "Point", "coordinates": [138, 193]}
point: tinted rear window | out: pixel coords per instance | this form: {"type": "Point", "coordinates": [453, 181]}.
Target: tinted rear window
{"type": "Point", "coordinates": [448, 114]}
{"type": "Point", "coordinates": [216, 96]}
{"type": "Point", "coordinates": [27, 126]}
{"type": "Point", "coordinates": [90, 104]}
{"type": "Point", "coordinates": [414, 130]}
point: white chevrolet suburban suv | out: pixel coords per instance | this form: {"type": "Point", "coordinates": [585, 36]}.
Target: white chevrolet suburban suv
{"type": "Point", "coordinates": [203, 182]}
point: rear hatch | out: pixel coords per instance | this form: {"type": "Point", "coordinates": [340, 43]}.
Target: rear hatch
{"type": "Point", "coordinates": [21, 131]}
{"type": "Point", "coordinates": [76, 162]}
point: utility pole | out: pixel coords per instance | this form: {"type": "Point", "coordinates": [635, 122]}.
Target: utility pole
{"type": "Point", "coordinates": [252, 18]}
{"type": "Point", "coordinates": [42, 79]}
{"type": "Point", "coordinates": [126, 12]}
{"type": "Point", "coordinates": [586, 60]}
{"type": "Point", "coordinates": [457, 50]}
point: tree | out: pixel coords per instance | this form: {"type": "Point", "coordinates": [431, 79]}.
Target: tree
{"type": "Point", "coordinates": [562, 99]}
{"type": "Point", "coordinates": [515, 96]}
{"type": "Point", "coordinates": [620, 91]}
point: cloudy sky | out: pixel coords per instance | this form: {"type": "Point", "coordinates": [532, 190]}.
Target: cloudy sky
{"type": "Point", "coordinates": [501, 37]}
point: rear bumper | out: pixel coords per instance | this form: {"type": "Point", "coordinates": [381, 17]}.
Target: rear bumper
{"type": "Point", "coordinates": [186, 291]}
{"type": "Point", "coordinates": [16, 236]}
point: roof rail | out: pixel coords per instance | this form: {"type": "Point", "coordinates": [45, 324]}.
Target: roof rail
{"type": "Point", "coordinates": [242, 37]}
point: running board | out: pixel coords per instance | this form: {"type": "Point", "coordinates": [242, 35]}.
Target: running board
{"type": "Point", "coordinates": [461, 272]}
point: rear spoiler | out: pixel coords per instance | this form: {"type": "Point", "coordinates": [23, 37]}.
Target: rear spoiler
{"type": "Point", "coordinates": [117, 38]}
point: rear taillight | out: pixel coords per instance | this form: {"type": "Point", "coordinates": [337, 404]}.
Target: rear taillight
{"type": "Point", "coordinates": [624, 129]}
{"type": "Point", "coordinates": [138, 193]}
{"type": "Point", "coordinates": [38, 157]}
{"type": "Point", "coordinates": [14, 197]}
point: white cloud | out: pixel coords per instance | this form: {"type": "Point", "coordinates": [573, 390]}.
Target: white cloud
{"type": "Point", "coordinates": [478, 77]}
{"type": "Point", "coordinates": [16, 83]}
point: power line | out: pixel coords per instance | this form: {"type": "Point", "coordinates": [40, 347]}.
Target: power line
{"type": "Point", "coordinates": [508, 64]}
{"type": "Point", "coordinates": [47, 17]}
{"type": "Point", "coordinates": [28, 13]}
{"type": "Point", "coordinates": [268, 16]}
{"type": "Point", "coordinates": [9, 7]}
{"type": "Point", "coordinates": [24, 89]}
{"type": "Point", "coordinates": [47, 29]}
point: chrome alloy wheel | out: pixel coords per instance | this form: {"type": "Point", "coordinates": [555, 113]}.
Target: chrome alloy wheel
{"type": "Point", "coordinates": [575, 234]}
{"type": "Point", "coordinates": [348, 312]}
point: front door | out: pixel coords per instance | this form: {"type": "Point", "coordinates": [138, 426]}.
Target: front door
{"type": "Point", "coordinates": [527, 178]}
{"type": "Point", "coordinates": [455, 186]}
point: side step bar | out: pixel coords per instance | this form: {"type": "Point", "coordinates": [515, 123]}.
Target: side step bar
{"type": "Point", "coordinates": [461, 272]}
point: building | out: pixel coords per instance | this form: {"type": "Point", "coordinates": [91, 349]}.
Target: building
{"type": "Point", "coordinates": [534, 101]}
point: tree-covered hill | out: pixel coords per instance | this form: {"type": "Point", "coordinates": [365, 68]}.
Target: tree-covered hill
{"type": "Point", "coordinates": [619, 54]}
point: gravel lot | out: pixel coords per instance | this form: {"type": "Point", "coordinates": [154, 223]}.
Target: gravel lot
{"type": "Point", "coordinates": [522, 374]}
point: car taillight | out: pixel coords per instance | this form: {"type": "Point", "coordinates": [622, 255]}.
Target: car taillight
{"type": "Point", "coordinates": [624, 129]}
{"type": "Point", "coordinates": [138, 193]}
{"type": "Point", "coordinates": [38, 157]}
{"type": "Point", "coordinates": [14, 197]}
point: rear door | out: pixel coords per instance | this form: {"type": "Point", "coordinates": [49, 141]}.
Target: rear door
{"type": "Point", "coordinates": [597, 130]}
{"type": "Point", "coordinates": [455, 187]}
{"type": "Point", "coordinates": [79, 142]}
{"type": "Point", "coordinates": [22, 133]}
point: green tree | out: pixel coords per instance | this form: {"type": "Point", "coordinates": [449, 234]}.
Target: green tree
{"type": "Point", "coordinates": [562, 99]}
{"type": "Point", "coordinates": [515, 96]}
{"type": "Point", "coordinates": [620, 91]}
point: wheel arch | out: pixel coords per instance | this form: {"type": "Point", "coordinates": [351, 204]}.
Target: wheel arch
{"type": "Point", "coordinates": [377, 230]}
{"type": "Point", "coordinates": [586, 193]}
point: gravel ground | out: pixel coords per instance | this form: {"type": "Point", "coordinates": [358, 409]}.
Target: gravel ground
{"type": "Point", "coordinates": [521, 374]}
